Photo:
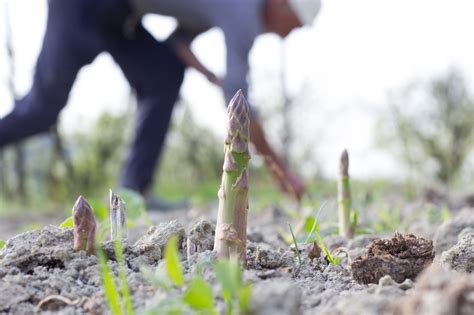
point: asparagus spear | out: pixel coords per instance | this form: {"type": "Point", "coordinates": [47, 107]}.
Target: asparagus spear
{"type": "Point", "coordinates": [344, 197]}
{"type": "Point", "coordinates": [231, 229]}
{"type": "Point", "coordinates": [84, 226]}
{"type": "Point", "coordinates": [118, 218]}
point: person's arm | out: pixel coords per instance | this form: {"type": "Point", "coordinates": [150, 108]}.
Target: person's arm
{"type": "Point", "coordinates": [180, 40]}
{"type": "Point", "coordinates": [186, 55]}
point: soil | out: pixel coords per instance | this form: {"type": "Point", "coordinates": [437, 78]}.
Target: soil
{"type": "Point", "coordinates": [402, 257]}
{"type": "Point", "coordinates": [40, 272]}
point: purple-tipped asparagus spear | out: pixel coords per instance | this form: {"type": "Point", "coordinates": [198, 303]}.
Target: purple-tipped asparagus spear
{"type": "Point", "coordinates": [84, 226]}
{"type": "Point", "coordinates": [231, 229]}
{"type": "Point", "coordinates": [118, 218]}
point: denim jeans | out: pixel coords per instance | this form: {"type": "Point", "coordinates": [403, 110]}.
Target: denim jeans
{"type": "Point", "coordinates": [76, 32]}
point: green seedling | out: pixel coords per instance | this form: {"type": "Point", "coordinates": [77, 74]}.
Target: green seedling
{"type": "Point", "coordinates": [330, 258]}
{"type": "Point", "coordinates": [118, 297]}
{"type": "Point", "coordinates": [298, 254]}
{"type": "Point", "coordinates": [112, 294]}
{"type": "Point", "coordinates": [344, 198]}
{"type": "Point", "coordinates": [315, 231]}
{"type": "Point", "coordinates": [124, 289]}
{"type": "Point", "coordinates": [68, 223]}
{"type": "Point", "coordinates": [173, 262]}
{"type": "Point", "coordinates": [84, 226]}
{"type": "Point", "coordinates": [315, 225]}
{"type": "Point", "coordinates": [2, 244]}
{"type": "Point", "coordinates": [231, 229]}
{"type": "Point", "coordinates": [195, 296]}
{"type": "Point", "coordinates": [229, 275]}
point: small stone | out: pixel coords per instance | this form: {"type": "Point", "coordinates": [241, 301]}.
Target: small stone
{"type": "Point", "coordinates": [201, 238]}
{"type": "Point", "coordinates": [386, 281]}
{"type": "Point", "coordinates": [154, 242]}
{"type": "Point", "coordinates": [461, 256]}
{"type": "Point", "coordinates": [406, 285]}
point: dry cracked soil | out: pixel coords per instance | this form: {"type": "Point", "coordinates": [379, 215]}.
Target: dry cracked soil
{"type": "Point", "coordinates": [399, 274]}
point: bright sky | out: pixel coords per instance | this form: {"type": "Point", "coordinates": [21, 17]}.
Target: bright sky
{"type": "Point", "coordinates": [355, 53]}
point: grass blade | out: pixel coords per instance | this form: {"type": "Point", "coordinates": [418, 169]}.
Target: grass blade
{"type": "Point", "coordinates": [110, 288]}
{"type": "Point", "coordinates": [127, 300]}
{"type": "Point", "coordinates": [173, 262]}
{"type": "Point", "coordinates": [296, 245]}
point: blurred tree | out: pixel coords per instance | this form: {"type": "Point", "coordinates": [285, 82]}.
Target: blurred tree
{"type": "Point", "coordinates": [97, 154]}
{"type": "Point", "coordinates": [431, 125]}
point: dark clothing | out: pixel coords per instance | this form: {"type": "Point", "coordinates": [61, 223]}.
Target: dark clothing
{"type": "Point", "coordinates": [76, 32]}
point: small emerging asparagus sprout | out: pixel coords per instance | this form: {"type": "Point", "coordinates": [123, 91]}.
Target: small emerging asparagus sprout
{"type": "Point", "coordinates": [84, 226]}
{"type": "Point", "coordinates": [118, 218]}
{"type": "Point", "coordinates": [344, 198]}
{"type": "Point", "coordinates": [231, 228]}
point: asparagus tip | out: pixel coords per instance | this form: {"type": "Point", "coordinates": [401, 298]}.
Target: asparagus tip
{"type": "Point", "coordinates": [344, 165]}
{"type": "Point", "coordinates": [84, 225]}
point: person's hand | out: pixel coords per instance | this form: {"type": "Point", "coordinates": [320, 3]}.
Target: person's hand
{"type": "Point", "coordinates": [213, 78]}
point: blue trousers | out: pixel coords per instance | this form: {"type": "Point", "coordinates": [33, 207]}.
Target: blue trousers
{"type": "Point", "coordinates": [76, 32]}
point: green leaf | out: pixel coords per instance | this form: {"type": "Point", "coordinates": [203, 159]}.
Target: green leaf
{"type": "Point", "coordinates": [2, 244]}
{"type": "Point", "coordinates": [329, 257]}
{"type": "Point", "coordinates": [134, 203]}
{"type": "Point", "coordinates": [173, 262]}
{"type": "Point", "coordinates": [308, 225]}
{"type": "Point", "coordinates": [244, 298]}
{"type": "Point", "coordinates": [230, 276]}
{"type": "Point", "coordinates": [69, 222]}
{"type": "Point", "coordinates": [100, 208]}
{"type": "Point", "coordinates": [111, 293]}
{"type": "Point", "coordinates": [127, 300]}
{"type": "Point", "coordinates": [199, 295]}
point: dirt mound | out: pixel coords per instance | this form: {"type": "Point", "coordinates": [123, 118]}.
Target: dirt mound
{"type": "Point", "coordinates": [402, 257]}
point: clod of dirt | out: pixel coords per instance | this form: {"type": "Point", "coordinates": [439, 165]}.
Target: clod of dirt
{"type": "Point", "coordinates": [275, 297]}
{"type": "Point", "coordinates": [151, 245]}
{"type": "Point", "coordinates": [439, 291]}
{"type": "Point", "coordinates": [402, 257]}
{"type": "Point", "coordinates": [262, 256]}
{"type": "Point", "coordinates": [461, 256]}
{"type": "Point", "coordinates": [201, 238]}
{"type": "Point", "coordinates": [50, 247]}
{"type": "Point", "coordinates": [40, 264]}
{"type": "Point", "coordinates": [446, 235]}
